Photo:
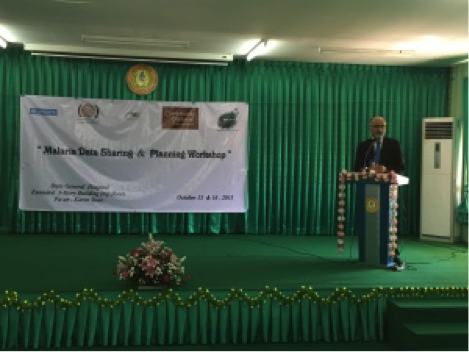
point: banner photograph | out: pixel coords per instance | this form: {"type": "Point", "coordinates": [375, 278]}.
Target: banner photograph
{"type": "Point", "coordinates": [132, 156]}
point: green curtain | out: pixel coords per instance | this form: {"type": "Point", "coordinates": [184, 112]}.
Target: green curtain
{"type": "Point", "coordinates": [166, 322]}
{"type": "Point", "coordinates": [465, 127]}
{"type": "Point", "coordinates": [463, 207]}
{"type": "Point", "coordinates": [305, 121]}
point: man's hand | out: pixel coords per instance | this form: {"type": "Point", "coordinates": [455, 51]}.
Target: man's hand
{"type": "Point", "coordinates": [379, 168]}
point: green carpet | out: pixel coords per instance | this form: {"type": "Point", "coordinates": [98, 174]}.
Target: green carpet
{"type": "Point", "coordinates": [70, 263]}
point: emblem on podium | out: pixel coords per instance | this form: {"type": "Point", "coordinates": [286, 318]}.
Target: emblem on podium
{"type": "Point", "coordinates": [371, 205]}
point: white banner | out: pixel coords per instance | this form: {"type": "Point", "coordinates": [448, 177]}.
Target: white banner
{"type": "Point", "coordinates": [132, 156]}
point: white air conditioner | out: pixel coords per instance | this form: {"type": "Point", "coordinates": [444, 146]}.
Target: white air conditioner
{"type": "Point", "coordinates": [440, 185]}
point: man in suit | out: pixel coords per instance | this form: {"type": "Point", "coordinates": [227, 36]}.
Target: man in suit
{"type": "Point", "coordinates": [382, 155]}
{"type": "Point", "coordinates": [379, 153]}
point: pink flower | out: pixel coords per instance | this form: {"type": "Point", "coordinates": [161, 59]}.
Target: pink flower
{"type": "Point", "coordinates": [149, 246]}
{"type": "Point", "coordinates": [150, 271]}
{"type": "Point", "coordinates": [341, 179]}
{"type": "Point", "coordinates": [341, 202]}
{"type": "Point", "coordinates": [151, 262]}
{"type": "Point", "coordinates": [340, 226]}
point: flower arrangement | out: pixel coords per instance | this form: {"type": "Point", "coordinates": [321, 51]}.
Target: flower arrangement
{"type": "Point", "coordinates": [369, 175]}
{"type": "Point", "coordinates": [151, 264]}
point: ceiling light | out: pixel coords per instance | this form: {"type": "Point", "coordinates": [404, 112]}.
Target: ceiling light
{"type": "Point", "coordinates": [3, 43]}
{"type": "Point", "coordinates": [461, 61]}
{"type": "Point", "coordinates": [374, 52]}
{"type": "Point", "coordinates": [135, 41]}
{"type": "Point", "coordinates": [6, 34]}
{"type": "Point", "coordinates": [246, 46]}
{"type": "Point", "coordinates": [259, 49]}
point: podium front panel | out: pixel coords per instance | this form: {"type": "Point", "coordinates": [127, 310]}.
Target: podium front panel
{"type": "Point", "coordinates": [373, 223]}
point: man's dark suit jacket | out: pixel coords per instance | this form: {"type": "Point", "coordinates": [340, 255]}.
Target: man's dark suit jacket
{"type": "Point", "coordinates": [391, 155]}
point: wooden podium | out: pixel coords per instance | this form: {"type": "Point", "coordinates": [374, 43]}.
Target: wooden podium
{"type": "Point", "coordinates": [373, 215]}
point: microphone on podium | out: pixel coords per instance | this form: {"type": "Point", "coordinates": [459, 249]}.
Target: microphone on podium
{"type": "Point", "coordinates": [366, 155]}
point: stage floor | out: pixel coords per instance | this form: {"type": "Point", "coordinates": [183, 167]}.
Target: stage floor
{"type": "Point", "coordinates": [70, 263]}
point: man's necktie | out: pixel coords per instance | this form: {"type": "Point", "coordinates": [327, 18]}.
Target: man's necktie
{"type": "Point", "coordinates": [377, 152]}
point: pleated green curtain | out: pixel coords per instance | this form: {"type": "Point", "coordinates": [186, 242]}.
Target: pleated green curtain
{"type": "Point", "coordinates": [465, 127]}
{"type": "Point", "coordinates": [167, 323]}
{"type": "Point", "coordinates": [463, 207]}
{"type": "Point", "coordinates": [305, 121]}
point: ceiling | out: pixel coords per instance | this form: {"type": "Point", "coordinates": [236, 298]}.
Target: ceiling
{"type": "Point", "coordinates": [392, 32]}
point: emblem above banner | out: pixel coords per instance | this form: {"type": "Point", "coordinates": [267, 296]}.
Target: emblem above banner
{"type": "Point", "coordinates": [142, 79]}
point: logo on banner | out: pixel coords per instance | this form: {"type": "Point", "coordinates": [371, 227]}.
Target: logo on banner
{"type": "Point", "coordinates": [180, 118]}
{"type": "Point", "coordinates": [142, 79]}
{"type": "Point", "coordinates": [228, 120]}
{"type": "Point", "coordinates": [133, 115]}
{"type": "Point", "coordinates": [371, 205]}
{"type": "Point", "coordinates": [43, 112]}
{"type": "Point", "coordinates": [88, 111]}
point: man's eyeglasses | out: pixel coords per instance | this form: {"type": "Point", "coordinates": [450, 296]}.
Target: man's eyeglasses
{"type": "Point", "coordinates": [378, 126]}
